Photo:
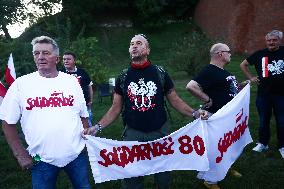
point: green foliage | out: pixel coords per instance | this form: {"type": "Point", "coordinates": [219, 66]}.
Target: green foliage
{"type": "Point", "coordinates": [155, 13]}
{"type": "Point", "coordinates": [86, 49]}
{"type": "Point", "coordinates": [181, 8]}
{"type": "Point", "coordinates": [10, 13]}
{"type": "Point", "coordinates": [88, 58]}
{"type": "Point", "coordinates": [149, 13]}
{"type": "Point", "coordinates": [145, 13]}
{"type": "Point", "coordinates": [22, 56]}
{"type": "Point", "coordinates": [44, 8]}
{"type": "Point", "coordinates": [191, 53]}
{"type": "Point", "coordinates": [258, 170]}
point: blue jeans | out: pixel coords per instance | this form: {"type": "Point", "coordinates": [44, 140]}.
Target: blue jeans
{"type": "Point", "coordinates": [265, 105]}
{"type": "Point", "coordinates": [44, 175]}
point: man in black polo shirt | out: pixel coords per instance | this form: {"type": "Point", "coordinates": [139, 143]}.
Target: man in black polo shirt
{"type": "Point", "coordinates": [141, 90]}
{"type": "Point", "coordinates": [69, 60]}
{"type": "Point", "coordinates": [269, 65]}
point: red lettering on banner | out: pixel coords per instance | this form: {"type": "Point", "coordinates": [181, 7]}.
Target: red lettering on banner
{"type": "Point", "coordinates": [121, 156]}
{"type": "Point", "coordinates": [232, 136]}
{"type": "Point", "coordinates": [55, 100]}
{"type": "Point", "coordinates": [199, 145]}
{"type": "Point", "coordinates": [186, 146]}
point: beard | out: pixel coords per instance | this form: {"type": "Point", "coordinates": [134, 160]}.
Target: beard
{"type": "Point", "coordinates": [137, 58]}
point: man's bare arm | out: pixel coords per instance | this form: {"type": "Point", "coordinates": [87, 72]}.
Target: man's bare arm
{"type": "Point", "coordinates": [13, 139]}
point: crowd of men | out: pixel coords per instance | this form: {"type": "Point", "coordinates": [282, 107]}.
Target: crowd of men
{"type": "Point", "coordinates": [54, 107]}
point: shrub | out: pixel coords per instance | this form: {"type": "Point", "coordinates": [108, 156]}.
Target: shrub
{"type": "Point", "coordinates": [190, 53]}
{"type": "Point", "coordinates": [88, 54]}
{"type": "Point", "coordinates": [152, 14]}
{"type": "Point", "coordinates": [86, 49]}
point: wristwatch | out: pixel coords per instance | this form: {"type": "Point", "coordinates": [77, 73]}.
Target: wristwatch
{"type": "Point", "coordinates": [194, 113]}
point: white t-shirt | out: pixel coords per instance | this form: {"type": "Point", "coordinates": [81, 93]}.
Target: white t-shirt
{"type": "Point", "coordinates": [49, 110]}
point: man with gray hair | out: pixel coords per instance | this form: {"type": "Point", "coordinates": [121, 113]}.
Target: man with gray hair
{"type": "Point", "coordinates": [215, 87]}
{"type": "Point", "coordinates": [269, 65]}
{"type": "Point", "coordinates": [52, 111]}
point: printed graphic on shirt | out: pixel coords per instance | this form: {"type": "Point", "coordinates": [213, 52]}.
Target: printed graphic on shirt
{"type": "Point", "coordinates": [142, 95]}
{"type": "Point", "coordinates": [56, 99]}
{"type": "Point", "coordinates": [276, 68]}
{"type": "Point", "coordinates": [233, 85]}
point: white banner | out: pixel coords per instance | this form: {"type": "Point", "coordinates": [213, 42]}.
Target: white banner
{"type": "Point", "coordinates": [111, 160]}
{"type": "Point", "coordinates": [223, 136]}
{"type": "Point", "coordinates": [228, 134]}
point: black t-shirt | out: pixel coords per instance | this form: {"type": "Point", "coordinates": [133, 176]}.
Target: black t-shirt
{"type": "Point", "coordinates": [218, 84]}
{"type": "Point", "coordinates": [143, 97]}
{"type": "Point", "coordinates": [84, 81]}
{"type": "Point", "coordinates": [270, 70]}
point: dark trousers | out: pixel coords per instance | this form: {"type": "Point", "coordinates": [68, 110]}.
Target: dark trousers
{"type": "Point", "coordinates": [163, 179]}
{"type": "Point", "coordinates": [265, 106]}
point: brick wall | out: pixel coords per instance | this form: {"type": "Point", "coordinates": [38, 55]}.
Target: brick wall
{"type": "Point", "coordinates": [240, 23]}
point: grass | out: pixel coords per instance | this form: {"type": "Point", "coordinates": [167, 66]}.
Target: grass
{"type": "Point", "coordinates": [260, 171]}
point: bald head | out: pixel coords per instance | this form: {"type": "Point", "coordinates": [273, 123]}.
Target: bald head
{"type": "Point", "coordinates": [141, 37]}
{"type": "Point", "coordinates": [220, 54]}
{"type": "Point", "coordinates": [218, 47]}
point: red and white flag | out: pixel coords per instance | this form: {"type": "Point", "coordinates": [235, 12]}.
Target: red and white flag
{"type": "Point", "coordinates": [10, 73]}
{"type": "Point", "coordinates": [3, 91]}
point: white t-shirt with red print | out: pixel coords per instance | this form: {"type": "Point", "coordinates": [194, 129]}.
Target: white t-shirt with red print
{"type": "Point", "coordinates": [49, 110]}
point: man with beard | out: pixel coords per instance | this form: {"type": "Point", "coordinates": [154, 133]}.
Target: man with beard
{"type": "Point", "coordinates": [140, 91]}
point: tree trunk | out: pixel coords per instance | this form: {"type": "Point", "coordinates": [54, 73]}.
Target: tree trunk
{"type": "Point", "coordinates": [6, 32]}
{"type": "Point", "coordinates": [67, 7]}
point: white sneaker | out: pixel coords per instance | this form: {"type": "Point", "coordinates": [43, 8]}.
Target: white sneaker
{"type": "Point", "coordinates": [260, 148]}
{"type": "Point", "coordinates": [281, 150]}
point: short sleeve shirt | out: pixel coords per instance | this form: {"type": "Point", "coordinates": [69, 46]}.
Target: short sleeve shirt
{"type": "Point", "coordinates": [143, 96]}
{"type": "Point", "coordinates": [218, 84]}
{"type": "Point", "coordinates": [84, 80]}
{"type": "Point", "coordinates": [50, 111]}
{"type": "Point", "coordinates": [270, 70]}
